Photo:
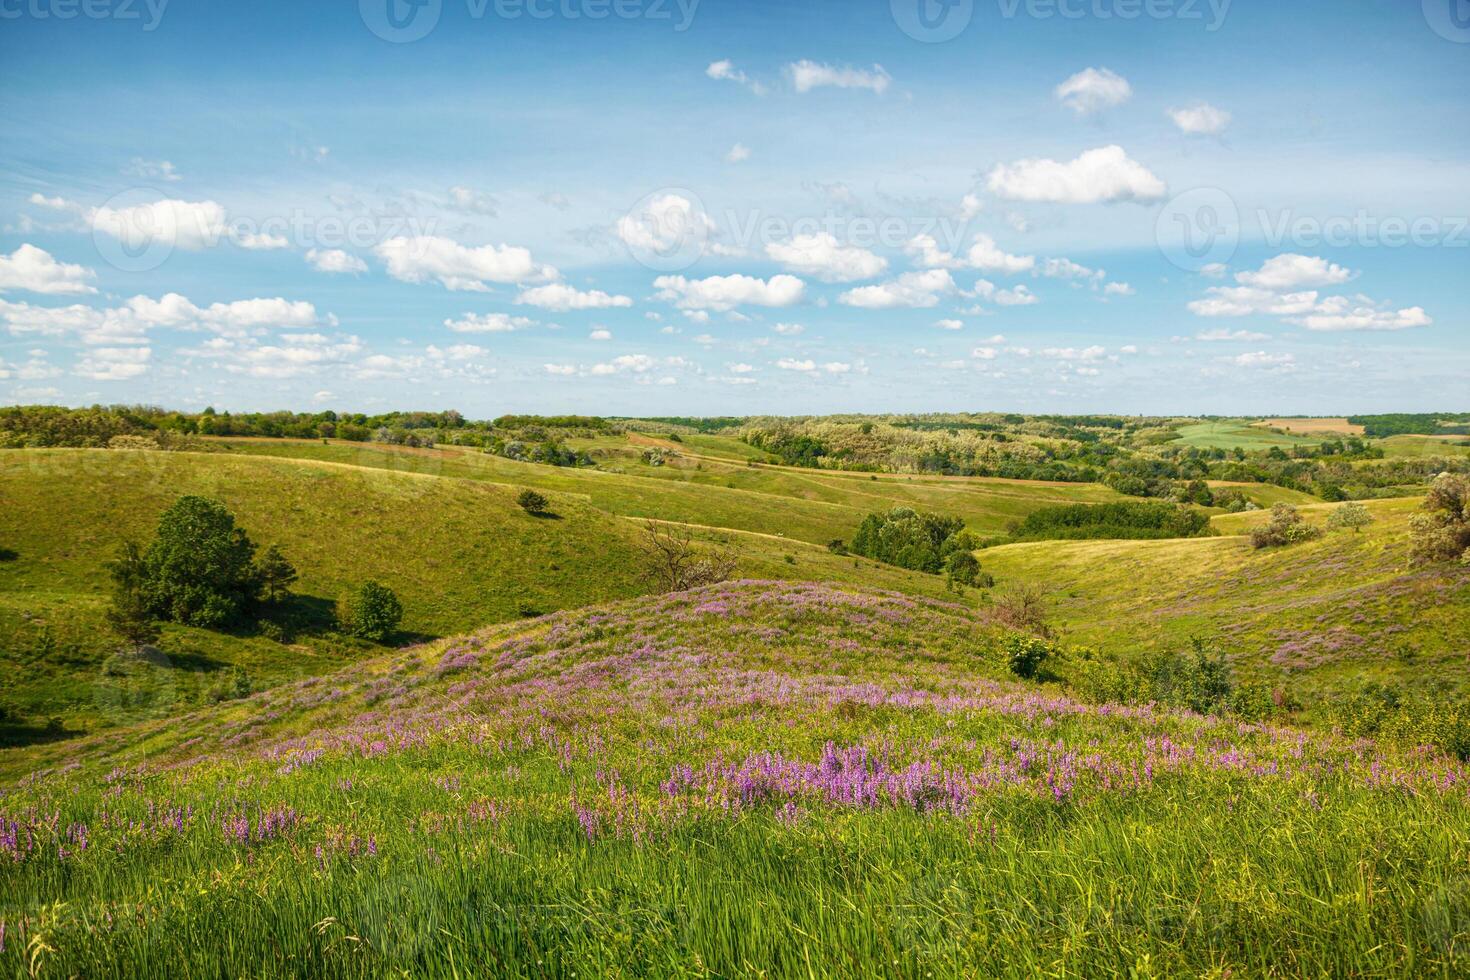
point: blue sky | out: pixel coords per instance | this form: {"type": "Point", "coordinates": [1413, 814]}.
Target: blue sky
{"type": "Point", "coordinates": [736, 207]}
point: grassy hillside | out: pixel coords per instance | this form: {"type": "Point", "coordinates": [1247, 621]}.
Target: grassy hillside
{"type": "Point", "coordinates": [460, 553]}
{"type": "Point", "coordinates": [1328, 614]}
{"type": "Point", "coordinates": [811, 505]}
{"type": "Point", "coordinates": [757, 779]}
{"type": "Point", "coordinates": [1238, 434]}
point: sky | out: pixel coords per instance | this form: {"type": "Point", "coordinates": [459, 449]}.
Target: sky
{"type": "Point", "coordinates": [736, 207]}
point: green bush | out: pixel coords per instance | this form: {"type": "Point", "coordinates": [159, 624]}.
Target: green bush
{"type": "Point", "coordinates": [372, 614]}
{"type": "Point", "coordinates": [1285, 527]}
{"type": "Point", "coordinates": [910, 539]}
{"type": "Point", "coordinates": [1118, 520]}
{"type": "Point", "coordinates": [1026, 655]}
{"type": "Point", "coordinates": [532, 502]}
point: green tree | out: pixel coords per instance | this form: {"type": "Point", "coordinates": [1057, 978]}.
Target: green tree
{"type": "Point", "coordinates": [129, 615]}
{"type": "Point", "coordinates": [963, 568]}
{"type": "Point", "coordinates": [276, 573]}
{"type": "Point", "coordinates": [373, 614]}
{"type": "Point", "coordinates": [200, 568]}
{"type": "Point", "coordinates": [1443, 532]}
{"type": "Point", "coordinates": [1351, 515]}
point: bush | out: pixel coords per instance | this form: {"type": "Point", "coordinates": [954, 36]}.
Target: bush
{"type": "Point", "coordinates": [837, 546]}
{"type": "Point", "coordinates": [1285, 527]}
{"type": "Point", "coordinates": [1443, 533]}
{"type": "Point", "coordinates": [1026, 654]}
{"type": "Point", "coordinates": [675, 565]}
{"type": "Point", "coordinates": [1023, 608]}
{"type": "Point", "coordinates": [910, 539]}
{"type": "Point", "coordinates": [373, 614]}
{"type": "Point", "coordinates": [1120, 520]}
{"type": "Point", "coordinates": [1383, 712]}
{"type": "Point", "coordinates": [532, 502]}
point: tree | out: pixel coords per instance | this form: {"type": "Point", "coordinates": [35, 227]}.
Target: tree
{"type": "Point", "coordinates": [1443, 533]}
{"type": "Point", "coordinates": [675, 564]}
{"type": "Point", "coordinates": [129, 615]}
{"type": "Point", "coordinates": [1350, 515]}
{"type": "Point", "coordinates": [963, 568]}
{"type": "Point", "coordinates": [276, 573]}
{"type": "Point", "coordinates": [199, 570]}
{"type": "Point", "coordinates": [373, 614]}
{"type": "Point", "coordinates": [532, 502]}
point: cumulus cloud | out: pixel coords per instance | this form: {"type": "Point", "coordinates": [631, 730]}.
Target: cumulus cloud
{"type": "Point", "coordinates": [559, 298]}
{"type": "Point", "coordinates": [1292, 271]}
{"type": "Point", "coordinates": [724, 70]}
{"type": "Point", "coordinates": [792, 364]}
{"type": "Point", "coordinates": [1105, 174]}
{"type": "Point", "coordinates": [1247, 300]}
{"type": "Point", "coordinates": [722, 293]}
{"type": "Point", "coordinates": [788, 329]}
{"type": "Point", "coordinates": [912, 289]}
{"type": "Point", "coordinates": [1093, 353]}
{"type": "Point", "coordinates": [1201, 119]}
{"type": "Point", "coordinates": [35, 270]}
{"type": "Point", "coordinates": [114, 363]}
{"type": "Point", "coordinates": [470, 201]}
{"type": "Point", "coordinates": [131, 322]}
{"type": "Point", "coordinates": [949, 324]}
{"type": "Point", "coordinates": [983, 254]}
{"type": "Point", "coordinates": [1261, 359]}
{"type": "Point", "coordinates": [334, 260]}
{"type": "Point", "coordinates": [489, 323]}
{"type": "Point", "coordinates": [1118, 289]}
{"type": "Point", "coordinates": [600, 333]}
{"type": "Point", "coordinates": [664, 224]}
{"type": "Point", "coordinates": [423, 258]}
{"type": "Point", "coordinates": [1093, 89]}
{"type": "Point", "coordinates": [821, 255]}
{"type": "Point", "coordinates": [738, 153]}
{"type": "Point", "coordinates": [1338, 316]}
{"type": "Point", "coordinates": [807, 75]}
{"type": "Point", "coordinates": [190, 225]}
{"type": "Point", "coordinates": [1223, 334]}
{"type": "Point", "coordinates": [153, 170]}
{"type": "Point", "coordinates": [1020, 296]}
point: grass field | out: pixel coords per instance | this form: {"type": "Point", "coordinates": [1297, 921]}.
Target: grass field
{"type": "Point", "coordinates": [1322, 616]}
{"type": "Point", "coordinates": [755, 779]}
{"type": "Point", "coordinates": [458, 552]}
{"type": "Point", "coordinates": [1314, 426]}
{"type": "Point", "coordinates": [1238, 434]}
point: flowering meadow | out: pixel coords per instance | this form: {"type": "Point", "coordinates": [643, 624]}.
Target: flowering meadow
{"type": "Point", "coordinates": [752, 779]}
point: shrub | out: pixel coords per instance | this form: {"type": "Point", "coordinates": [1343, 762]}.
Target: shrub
{"type": "Point", "coordinates": [1285, 527]}
{"type": "Point", "coordinates": [1443, 533]}
{"type": "Point", "coordinates": [837, 546]}
{"type": "Point", "coordinates": [1023, 608]}
{"type": "Point", "coordinates": [199, 570]}
{"type": "Point", "coordinates": [372, 614]}
{"type": "Point", "coordinates": [532, 502]}
{"type": "Point", "coordinates": [1351, 515]}
{"type": "Point", "coordinates": [1025, 654]}
{"type": "Point", "coordinates": [675, 564]}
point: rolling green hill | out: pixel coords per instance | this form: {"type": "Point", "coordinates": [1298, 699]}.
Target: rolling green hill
{"type": "Point", "coordinates": [756, 778]}
{"type": "Point", "coordinates": [1328, 614]}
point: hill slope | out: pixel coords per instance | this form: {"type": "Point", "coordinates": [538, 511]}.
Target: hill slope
{"type": "Point", "coordinates": [1326, 614]}
{"type": "Point", "coordinates": [787, 779]}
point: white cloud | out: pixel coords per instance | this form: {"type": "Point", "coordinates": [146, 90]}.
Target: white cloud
{"type": "Point", "coordinates": [1201, 119]}
{"type": "Point", "coordinates": [724, 70]}
{"type": "Point", "coordinates": [1246, 300]}
{"type": "Point", "coordinates": [738, 153]}
{"type": "Point", "coordinates": [489, 323]}
{"type": "Point", "coordinates": [1067, 269]}
{"type": "Point", "coordinates": [1292, 271]}
{"type": "Point", "coordinates": [1101, 175]}
{"type": "Point", "coordinates": [1020, 296]}
{"type": "Point", "coordinates": [1118, 289]}
{"type": "Point", "coordinates": [1215, 270]}
{"type": "Point", "coordinates": [560, 369]}
{"type": "Point", "coordinates": [788, 329]}
{"type": "Point", "coordinates": [740, 368]}
{"type": "Point", "coordinates": [1262, 359]}
{"type": "Point", "coordinates": [36, 271]}
{"type": "Point", "coordinates": [470, 201]}
{"type": "Point", "coordinates": [722, 293]}
{"type": "Point", "coordinates": [791, 364]}
{"type": "Point", "coordinates": [1223, 334]}
{"type": "Point", "coordinates": [823, 256]}
{"type": "Point", "coordinates": [984, 353]}
{"type": "Point", "coordinates": [188, 225]}
{"type": "Point", "coordinates": [260, 241]}
{"type": "Point", "coordinates": [983, 254]}
{"type": "Point", "coordinates": [970, 206]}
{"type": "Point", "coordinates": [667, 223]}
{"type": "Point", "coordinates": [807, 75]}
{"type": "Point", "coordinates": [601, 333]}
{"type": "Point", "coordinates": [559, 298]}
{"type": "Point", "coordinates": [1093, 89]}
{"type": "Point", "coordinates": [114, 363]}
{"type": "Point", "coordinates": [836, 367]}
{"type": "Point", "coordinates": [335, 260]}
{"type": "Point", "coordinates": [153, 170]}
{"type": "Point", "coordinates": [1336, 318]}
{"type": "Point", "coordinates": [912, 289]}
{"type": "Point", "coordinates": [950, 324]}
{"type": "Point", "coordinates": [1093, 353]}
{"type": "Point", "coordinates": [130, 322]}
{"type": "Point", "coordinates": [459, 267]}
